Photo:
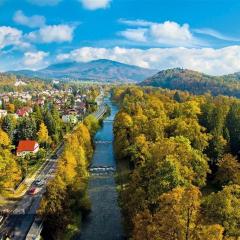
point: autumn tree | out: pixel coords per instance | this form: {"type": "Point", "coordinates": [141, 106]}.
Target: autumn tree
{"type": "Point", "coordinates": [233, 126]}
{"type": "Point", "coordinates": [228, 170]}
{"type": "Point", "coordinates": [178, 217]}
{"type": "Point", "coordinates": [9, 125]}
{"type": "Point", "coordinates": [223, 208]}
{"type": "Point", "coordinates": [10, 173]}
{"type": "Point", "coordinates": [11, 108]}
{"type": "Point", "coordinates": [4, 139]}
{"type": "Point", "coordinates": [26, 129]}
{"type": "Point", "coordinates": [123, 130]}
{"type": "Point", "coordinates": [92, 124]}
{"type": "Point", "coordinates": [43, 134]}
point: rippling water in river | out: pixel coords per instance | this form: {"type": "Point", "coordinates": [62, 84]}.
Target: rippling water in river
{"type": "Point", "coordinates": [104, 222]}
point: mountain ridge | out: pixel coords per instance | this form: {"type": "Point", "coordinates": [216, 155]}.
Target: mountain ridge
{"type": "Point", "coordinates": [100, 70]}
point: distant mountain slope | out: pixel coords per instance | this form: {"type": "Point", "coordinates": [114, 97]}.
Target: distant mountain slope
{"type": "Point", "coordinates": [99, 70]}
{"type": "Point", "coordinates": [195, 82]}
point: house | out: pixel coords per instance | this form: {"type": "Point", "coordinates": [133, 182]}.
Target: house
{"type": "Point", "coordinates": [3, 113]}
{"type": "Point", "coordinates": [23, 112]}
{"type": "Point", "coordinates": [19, 83]}
{"type": "Point", "coordinates": [72, 112]}
{"type": "Point", "coordinates": [6, 99]}
{"type": "Point", "coordinates": [27, 146]}
{"type": "Point", "coordinates": [55, 82]}
{"type": "Point", "coordinates": [40, 102]}
{"type": "Point", "coordinates": [80, 107]}
{"type": "Point", "coordinates": [69, 119]}
{"type": "Point", "coordinates": [25, 97]}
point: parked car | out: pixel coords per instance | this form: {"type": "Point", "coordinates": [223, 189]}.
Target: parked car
{"type": "Point", "coordinates": [32, 191]}
{"type": "Point", "coordinates": [1, 219]}
{"type": "Point", "coordinates": [39, 183]}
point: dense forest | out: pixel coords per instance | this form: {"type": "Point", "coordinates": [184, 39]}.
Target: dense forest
{"type": "Point", "coordinates": [195, 82]}
{"type": "Point", "coordinates": [182, 174]}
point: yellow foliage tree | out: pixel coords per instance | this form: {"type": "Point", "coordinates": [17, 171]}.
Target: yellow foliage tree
{"type": "Point", "coordinates": [43, 133]}
{"type": "Point", "coordinates": [4, 139]}
{"type": "Point", "coordinates": [10, 173]}
{"type": "Point", "coordinates": [11, 107]}
{"type": "Point", "coordinates": [178, 217]}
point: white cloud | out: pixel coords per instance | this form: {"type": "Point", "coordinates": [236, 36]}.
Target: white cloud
{"type": "Point", "coordinates": [45, 2]}
{"type": "Point", "coordinates": [35, 60]}
{"type": "Point", "coordinates": [167, 33]}
{"type": "Point", "coordinates": [32, 22]}
{"type": "Point", "coordinates": [95, 4]}
{"type": "Point", "coordinates": [135, 23]}
{"type": "Point", "coordinates": [207, 60]}
{"type": "Point", "coordinates": [11, 37]}
{"type": "Point", "coordinates": [216, 34]}
{"type": "Point", "coordinates": [52, 33]}
{"type": "Point", "coordinates": [137, 35]}
{"type": "Point", "coordinates": [170, 31]}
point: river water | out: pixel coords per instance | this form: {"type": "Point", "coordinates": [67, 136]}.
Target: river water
{"type": "Point", "coordinates": [104, 221]}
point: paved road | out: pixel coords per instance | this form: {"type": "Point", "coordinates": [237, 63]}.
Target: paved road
{"type": "Point", "coordinates": [20, 220]}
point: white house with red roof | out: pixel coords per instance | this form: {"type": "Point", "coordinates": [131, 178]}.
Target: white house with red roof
{"type": "Point", "coordinates": [27, 146]}
{"type": "Point", "coordinates": [23, 112]}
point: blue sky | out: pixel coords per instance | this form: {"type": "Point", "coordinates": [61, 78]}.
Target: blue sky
{"type": "Point", "coordinates": [201, 35]}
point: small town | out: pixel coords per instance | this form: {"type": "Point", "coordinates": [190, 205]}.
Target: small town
{"type": "Point", "coordinates": [36, 121]}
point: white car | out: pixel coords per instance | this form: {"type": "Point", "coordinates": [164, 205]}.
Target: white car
{"type": "Point", "coordinates": [39, 183]}
{"type": "Point", "coordinates": [1, 219]}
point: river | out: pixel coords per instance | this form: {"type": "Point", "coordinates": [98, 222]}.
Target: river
{"type": "Point", "coordinates": [104, 221]}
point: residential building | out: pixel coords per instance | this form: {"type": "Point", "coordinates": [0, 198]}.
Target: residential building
{"type": "Point", "coordinates": [27, 146]}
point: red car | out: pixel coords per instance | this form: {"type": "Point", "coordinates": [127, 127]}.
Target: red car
{"type": "Point", "coordinates": [32, 191]}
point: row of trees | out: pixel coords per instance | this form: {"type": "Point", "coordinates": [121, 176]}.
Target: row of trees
{"type": "Point", "coordinates": [185, 179]}
{"type": "Point", "coordinates": [66, 196]}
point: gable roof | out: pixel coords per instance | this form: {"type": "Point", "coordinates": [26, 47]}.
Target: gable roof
{"type": "Point", "coordinates": [26, 145]}
{"type": "Point", "coordinates": [23, 111]}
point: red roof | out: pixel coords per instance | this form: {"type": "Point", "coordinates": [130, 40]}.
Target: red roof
{"type": "Point", "coordinates": [26, 145]}
{"type": "Point", "coordinates": [23, 111]}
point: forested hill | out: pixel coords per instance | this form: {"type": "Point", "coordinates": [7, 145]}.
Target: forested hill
{"type": "Point", "coordinates": [11, 83]}
{"type": "Point", "coordinates": [195, 82]}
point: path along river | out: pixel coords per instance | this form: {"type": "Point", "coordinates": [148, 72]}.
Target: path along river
{"type": "Point", "coordinates": [104, 221]}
